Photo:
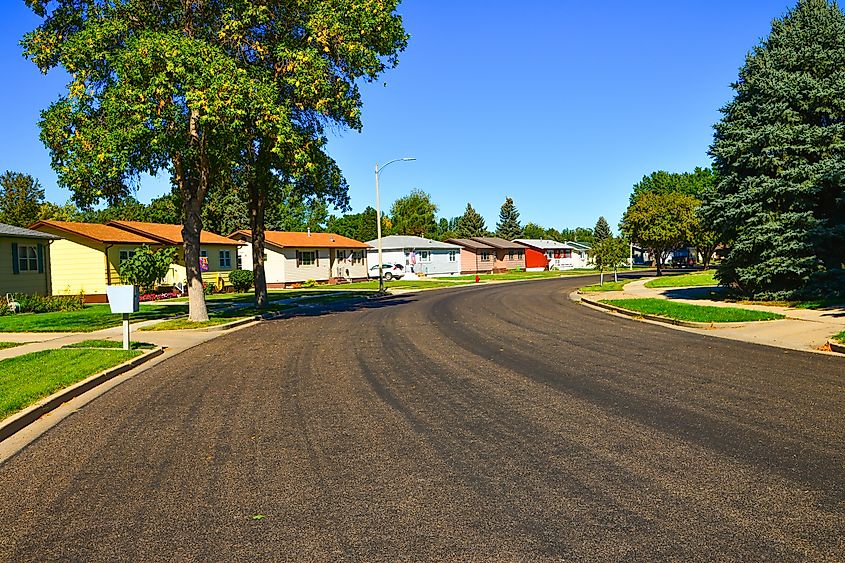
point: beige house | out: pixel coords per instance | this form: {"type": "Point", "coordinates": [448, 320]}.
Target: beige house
{"type": "Point", "coordinates": [293, 257]}
{"type": "Point", "coordinates": [24, 260]}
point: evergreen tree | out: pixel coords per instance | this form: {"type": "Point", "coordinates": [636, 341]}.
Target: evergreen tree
{"type": "Point", "coordinates": [414, 215]}
{"type": "Point", "coordinates": [508, 226]}
{"type": "Point", "coordinates": [471, 223]}
{"type": "Point", "coordinates": [778, 155]}
{"type": "Point", "coordinates": [21, 197]}
{"type": "Point", "coordinates": [601, 230]}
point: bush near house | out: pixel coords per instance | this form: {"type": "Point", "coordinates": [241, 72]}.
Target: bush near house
{"type": "Point", "coordinates": [45, 304]}
{"type": "Point", "coordinates": [241, 280]}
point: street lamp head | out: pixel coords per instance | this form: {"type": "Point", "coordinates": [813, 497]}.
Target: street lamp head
{"type": "Point", "coordinates": [408, 158]}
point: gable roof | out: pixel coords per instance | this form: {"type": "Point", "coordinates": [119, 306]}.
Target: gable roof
{"type": "Point", "coordinates": [578, 245]}
{"type": "Point", "coordinates": [402, 242]}
{"type": "Point", "coordinates": [543, 244]}
{"type": "Point", "coordinates": [20, 232]}
{"type": "Point", "coordinates": [290, 239]}
{"type": "Point", "coordinates": [95, 232]}
{"type": "Point", "coordinates": [472, 244]}
{"type": "Point", "coordinates": [165, 233]}
{"type": "Point", "coordinates": [499, 243]}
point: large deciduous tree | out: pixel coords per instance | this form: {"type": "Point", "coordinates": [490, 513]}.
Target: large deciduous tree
{"type": "Point", "coordinates": [21, 198]}
{"type": "Point", "coordinates": [508, 226]}
{"type": "Point", "coordinates": [414, 214]}
{"type": "Point", "coordinates": [779, 154]}
{"type": "Point", "coordinates": [471, 223]}
{"type": "Point", "coordinates": [199, 88]}
{"type": "Point", "coordinates": [660, 223]}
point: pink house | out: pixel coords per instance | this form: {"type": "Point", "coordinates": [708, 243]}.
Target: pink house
{"type": "Point", "coordinates": [489, 254]}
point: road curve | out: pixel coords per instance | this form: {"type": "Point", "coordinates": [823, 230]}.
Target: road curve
{"type": "Point", "coordinates": [491, 422]}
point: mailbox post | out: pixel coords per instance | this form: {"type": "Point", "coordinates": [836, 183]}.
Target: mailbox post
{"type": "Point", "coordinates": [124, 299]}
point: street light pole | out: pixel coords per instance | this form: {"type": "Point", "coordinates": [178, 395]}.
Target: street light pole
{"type": "Point", "coordinates": [378, 221]}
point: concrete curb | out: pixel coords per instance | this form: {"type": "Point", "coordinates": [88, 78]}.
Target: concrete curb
{"type": "Point", "coordinates": [656, 318]}
{"type": "Point", "coordinates": [27, 416]}
{"type": "Point", "coordinates": [836, 347]}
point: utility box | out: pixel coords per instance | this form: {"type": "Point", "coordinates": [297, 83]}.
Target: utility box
{"type": "Point", "coordinates": [124, 298]}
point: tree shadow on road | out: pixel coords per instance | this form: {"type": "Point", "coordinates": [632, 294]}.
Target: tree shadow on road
{"type": "Point", "coordinates": [320, 309]}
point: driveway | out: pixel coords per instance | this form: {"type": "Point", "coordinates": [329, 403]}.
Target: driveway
{"type": "Point", "coordinates": [477, 423]}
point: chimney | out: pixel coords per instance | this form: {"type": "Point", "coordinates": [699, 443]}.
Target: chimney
{"type": "Point", "coordinates": [309, 231]}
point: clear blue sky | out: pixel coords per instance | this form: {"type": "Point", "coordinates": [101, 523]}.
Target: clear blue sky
{"type": "Point", "coordinates": [561, 105]}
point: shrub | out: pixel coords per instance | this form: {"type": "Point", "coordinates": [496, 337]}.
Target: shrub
{"type": "Point", "coordinates": [241, 280]}
{"type": "Point", "coordinates": [310, 283]}
{"type": "Point", "coordinates": [145, 267]}
{"type": "Point", "coordinates": [49, 303]}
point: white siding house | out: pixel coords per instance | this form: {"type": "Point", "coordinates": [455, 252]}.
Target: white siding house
{"type": "Point", "coordinates": [292, 257]}
{"type": "Point", "coordinates": [418, 255]}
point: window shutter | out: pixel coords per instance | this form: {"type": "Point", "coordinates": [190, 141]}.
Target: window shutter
{"type": "Point", "coordinates": [15, 265]}
{"type": "Point", "coordinates": [316, 257]}
{"type": "Point", "coordinates": [298, 259]}
{"type": "Point", "coordinates": [40, 258]}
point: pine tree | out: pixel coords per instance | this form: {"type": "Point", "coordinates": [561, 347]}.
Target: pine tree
{"type": "Point", "coordinates": [508, 226]}
{"type": "Point", "coordinates": [601, 230]}
{"type": "Point", "coordinates": [471, 224]}
{"type": "Point", "coordinates": [779, 159]}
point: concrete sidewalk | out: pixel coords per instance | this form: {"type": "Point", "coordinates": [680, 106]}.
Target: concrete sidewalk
{"type": "Point", "coordinates": [802, 329]}
{"type": "Point", "coordinates": [174, 341]}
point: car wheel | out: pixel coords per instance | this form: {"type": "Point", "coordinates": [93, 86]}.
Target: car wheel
{"type": "Point", "coordinates": [388, 276]}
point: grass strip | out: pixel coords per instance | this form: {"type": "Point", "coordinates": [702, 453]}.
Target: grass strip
{"type": "Point", "coordinates": [839, 337]}
{"type": "Point", "coordinates": [109, 344]}
{"type": "Point", "coordinates": [697, 279]}
{"type": "Point", "coordinates": [694, 313]}
{"type": "Point", "coordinates": [89, 319]}
{"type": "Point", "coordinates": [185, 324]}
{"type": "Point", "coordinates": [28, 378]}
{"type": "Point", "coordinates": [607, 286]}
{"type": "Point", "coordinates": [5, 345]}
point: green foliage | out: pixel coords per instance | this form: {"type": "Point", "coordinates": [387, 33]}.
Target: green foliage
{"type": "Point", "coordinates": [21, 197]}
{"type": "Point", "coordinates": [578, 234]}
{"type": "Point", "coordinates": [48, 304]}
{"type": "Point", "coordinates": [358, 226]}
{"type": "Point", "coordinates": [695, 183]}
{"type": "Point", "coordinates": [610, 253]}
{"type": "Point", "coordinates": [241, 280]}
{"type": "Point", "coordinates": [508, 226]}
{"type": "Point", "coordinates": [51, 212]}
{"type": "Point", "coordinates": [309, 284]}
{"type": "Point", "coordinates": [533, 231]}
{"type": "Point", "coordinates": [601, 230]}
{"type": "Point", "coordinates": [661, 222]}
{"type": "Point", "coordinates": [778, 154]}
{"type": "Point", "coordinates": [471, 223]}
{"type": "Point", "coordinates": [146, 267]}
{"type": "Point", "coordinates": [414, 215]}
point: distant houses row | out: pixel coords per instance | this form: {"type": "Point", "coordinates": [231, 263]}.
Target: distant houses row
{"type": "Point", "coordinates": [62, 258]}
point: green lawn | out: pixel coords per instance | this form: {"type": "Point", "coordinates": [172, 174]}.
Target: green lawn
{"type": "Point", "coordinates": [607, 286]}
{"type": "Point", "coordinates": [4, 345]}
{"type": "Point", "coordinates": [697, 279]}
{"type": "Point", "coordinates": [405, 284]}
{"type": "Point", "coordinates": [839, 337]}
{"type": "Point", "coordinates": [109, 344]}
{"type": "Point", "coordinates": [695, 313]}
{"type": "Point", "coordinates": [91, 318]}
{"type": "Point", "coordinates": [28, 378]}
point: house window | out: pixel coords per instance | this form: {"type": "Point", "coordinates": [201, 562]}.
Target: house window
{"type": "Point", "coordinates": [425, 256]}
{"type": "Point", "coordinates": [239, 262]}
{"type": "Point", "coordinates": [27, 258]}
{"type": "Point", "coordinates": [203, 254]}
{"type": "Point", "coordinates": [225, 259]}
{"type": "Point", "coordinates": [451, 256]}
{"type": "Point", "coordinates": [510, 254]}
{"type": "Point", "coordinates": [125, 255]}
{"type": "Point", "coordinates": [567, 253]}
{"type": "Point", "coordinates": [519, 255]}
{"type": "Point", "coordinates": [307, 258]}
{"type": "Point", "coordinates": [485, 256]}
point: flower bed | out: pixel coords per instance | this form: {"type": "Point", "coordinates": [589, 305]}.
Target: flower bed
{"type": "Point", "coordinates": [159, 296]}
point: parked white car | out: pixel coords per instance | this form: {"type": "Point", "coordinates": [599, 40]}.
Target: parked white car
{"type": "Point", "coordinates": [389, 271]}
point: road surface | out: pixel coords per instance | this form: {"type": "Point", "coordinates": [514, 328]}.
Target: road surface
{"type": "Point", "coordinates": [491, 422]}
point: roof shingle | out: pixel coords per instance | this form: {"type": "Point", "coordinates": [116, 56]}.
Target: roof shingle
{"type": "Point", "coordinates": [288, 239]}
{"type": "Point", "coordinates": [94, 231]}
{"type": "Point", "coordinates": [168, 234]}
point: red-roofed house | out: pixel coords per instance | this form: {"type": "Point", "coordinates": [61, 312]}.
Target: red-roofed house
{"type": "Point", "coordinates": [292, 257]}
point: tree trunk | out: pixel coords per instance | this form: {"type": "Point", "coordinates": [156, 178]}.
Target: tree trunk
{"type": "Point", "coordinates": [257, 178]}
{"type": "Point", "coordinates": [601, 277]}
{"type": "Point", "coordinates": [658, 262]}
{"type": "Point", "coordinates": [256, 224]}
{"type": "Point", "coordinates": [616, 276]}
{"type": "Point", "coordinates": [191, 228]}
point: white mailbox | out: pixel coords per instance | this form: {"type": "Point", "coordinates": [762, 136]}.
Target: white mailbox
{"type": "Point", "coordinates": [123, 298]}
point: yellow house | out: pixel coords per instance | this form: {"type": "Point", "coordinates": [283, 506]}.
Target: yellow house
{"type": "Point", "coordinates": [24, 261]}
{"type": "Point", "coordinates": [218, 254]}
{"type": "Point", "coordinates": [87, 256]}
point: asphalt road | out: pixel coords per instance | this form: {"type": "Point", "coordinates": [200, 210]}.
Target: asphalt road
{"type": "Point", "coordinates": [484, 423]}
